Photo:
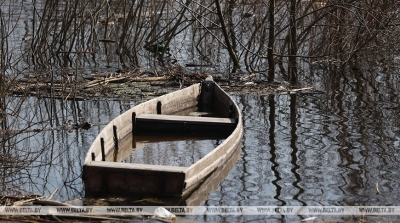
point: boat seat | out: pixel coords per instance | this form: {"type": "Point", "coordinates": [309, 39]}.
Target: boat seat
{"type": "Point", "coordinates": [202, 114]}
{"type": "Point", "coordinates": [176, 124]}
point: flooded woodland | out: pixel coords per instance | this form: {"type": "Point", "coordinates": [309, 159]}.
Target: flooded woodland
{"type": "Point", "coordinates": [317, 82]}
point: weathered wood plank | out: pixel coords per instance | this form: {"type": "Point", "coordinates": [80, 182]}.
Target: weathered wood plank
{"type": "Point", "coordinates": [212, 182]}
{"type": "Point", "coordinates": [178, 118]}
{"type": "Point", "coordinates": [138, 166]}
{"type": "Point", "coordinates": [127, 179]}
{"type": "Point", "coordinates": [183, 125]}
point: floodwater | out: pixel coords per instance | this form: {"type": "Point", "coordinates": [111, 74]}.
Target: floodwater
{"type": "Point", "coordinates": [167, 150]}
{"type": "Point", "coordinates": [334, 147]}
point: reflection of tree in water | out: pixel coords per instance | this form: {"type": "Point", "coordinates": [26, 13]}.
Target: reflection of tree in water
{"type": "Point", "coordinates": [273, 159]}
{"type": "Point", "coordinates": [31, 157]}
{"type": "Point", "coordinates": [118, 34]}
{"type": "Point", "coordinates": [18, 153]}
{"type": "Point", "coordinates": [15, 117]}
{"type": "Point", "coordinates": [13, 161]}
{"type": "Point", "coordinates": [44, 156]}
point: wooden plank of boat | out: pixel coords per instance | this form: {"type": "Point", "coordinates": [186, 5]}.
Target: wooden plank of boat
{"type": "Point", "coordinates": [188, 119]}
{"type": "Point", "coordinates": [195, 196]}
{"type": "Point", "coordinates": [189, 125]}
{"type": "Point", "coordinates": [107, 178]}
{"type": "Point", "coordinates": [212, 182]}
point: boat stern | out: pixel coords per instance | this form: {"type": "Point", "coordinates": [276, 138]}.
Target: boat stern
{"type": "Point", "coordinates": [118, 179]}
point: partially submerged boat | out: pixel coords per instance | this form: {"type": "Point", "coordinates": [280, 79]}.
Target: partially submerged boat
{"type": "Point", "coordinates": [201, 110]}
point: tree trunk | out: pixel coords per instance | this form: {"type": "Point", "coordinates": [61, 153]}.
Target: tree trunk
{"type": "Point", "coordinates": [293, 44]}
{"type": "Point", "coordinates": [231, 25]}
{"type": "Point", "coordinates": [3, 51]}
{"type": "Point", "coordinates": [271, 42]}
{"type": "Point", "coordinates": [232, 53]}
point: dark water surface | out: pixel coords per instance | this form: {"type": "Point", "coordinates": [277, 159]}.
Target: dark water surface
{"type": "Point", "coordinates": [167, 150]}
{"type": "Point", "coordinates": [332, 148]}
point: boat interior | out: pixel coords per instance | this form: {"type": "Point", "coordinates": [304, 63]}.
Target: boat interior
{"type": "Point", "coordinates": [211, 119]}
{"type": "Point", "coordinates": [206, 119]}
{"type": "Point", "coordinates": [166, 146]}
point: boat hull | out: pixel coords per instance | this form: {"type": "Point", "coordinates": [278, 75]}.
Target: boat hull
{"type": "Point", "coordinates": [103, 175]}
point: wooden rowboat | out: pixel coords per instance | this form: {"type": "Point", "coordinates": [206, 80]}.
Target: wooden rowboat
{"type": "Point", "coordinates": [105, 175]}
